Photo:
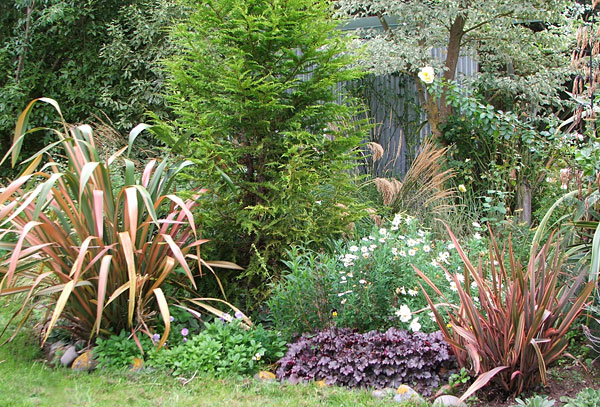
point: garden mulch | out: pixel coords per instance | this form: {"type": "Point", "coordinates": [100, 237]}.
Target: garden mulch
{"type": "Point", "coordinates": [565, 379]}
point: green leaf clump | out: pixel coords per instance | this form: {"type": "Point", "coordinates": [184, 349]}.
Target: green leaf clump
{"type": "Point", "coordinates": [222, 349]}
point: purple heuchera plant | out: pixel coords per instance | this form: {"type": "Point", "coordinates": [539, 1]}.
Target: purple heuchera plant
{"type": "Point", "coordinates": [373, 359]}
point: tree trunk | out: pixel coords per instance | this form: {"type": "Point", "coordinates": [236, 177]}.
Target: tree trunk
{"type": "Point", "coordinates": [438, 111]}
{"type": "Point", "coordinates": [21, 59]}
{"type": "Point", "coordinates": [430, 105]}
{"type": "Point", "coordinates": [453, 53]}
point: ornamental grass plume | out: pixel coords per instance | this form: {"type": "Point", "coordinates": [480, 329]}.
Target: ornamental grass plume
{"type": "Point", "coordinates": [424, 187]}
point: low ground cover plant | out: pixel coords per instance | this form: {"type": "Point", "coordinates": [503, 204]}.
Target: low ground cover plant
{"type": "Point", "coordinates": [222, 348]}
{"type": "Point", "coordinates": [373, 359]}
{"type": "Point", "coordinates": [585, 398]}
{"type": "Point", "coordinates": [119, 351]}
{"type": "Point", "coordinates": [368, 283]}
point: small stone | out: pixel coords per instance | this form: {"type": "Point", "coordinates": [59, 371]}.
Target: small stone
{"type": "Point", "coordinates": [264, 376]}
{"type": "Point", "coordinates": [69, 356]}
{"type": "Point", "coordinates": [383, 393]}
{"type": "Point", "coordinates": [137, 365]}
{"type": "Point", "coordinates": [85, 362]}
{"type": "Point", "coordinates": [448, 401]}
{"type": "Point", "coordinates": [406, 394]}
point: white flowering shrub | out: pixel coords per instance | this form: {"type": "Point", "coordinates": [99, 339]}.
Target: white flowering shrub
{"type": "Point", "coordinates": [369, 283]}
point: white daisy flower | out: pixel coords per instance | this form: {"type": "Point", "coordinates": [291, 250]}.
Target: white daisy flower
{"type": "Point", "coordinates": [414, 325]}
{"type": "Point", "coordinates": [404, 313]}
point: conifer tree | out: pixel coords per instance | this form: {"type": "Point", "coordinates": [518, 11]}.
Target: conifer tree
{"type": "Point", "coordinates": [255, 92]}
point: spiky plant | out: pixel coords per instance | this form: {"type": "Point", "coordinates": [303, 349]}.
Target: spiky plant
{"type": "Point", "coordinates": [100, 251]}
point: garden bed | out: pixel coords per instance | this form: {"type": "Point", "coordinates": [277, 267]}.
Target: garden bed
{"type": "Point", "coordinates": [565, 380]}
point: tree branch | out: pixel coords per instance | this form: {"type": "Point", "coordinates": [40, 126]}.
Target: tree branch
{"type": "Point", "coordinates": [21, 59]}
{"type": "Point", "coordinates": [478, 25]}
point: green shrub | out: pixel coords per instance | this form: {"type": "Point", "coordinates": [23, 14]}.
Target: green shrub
{"type": "Point", "coordinates": [100, 250]}
{"type": "Point", "coordinates": [253, 92]}
{"type": "Point", "coordinates": [367, 283]}
{"type": "Point", "coordinates": [119, 351]}
{"type": "Point", "coordinates": [222, 348]}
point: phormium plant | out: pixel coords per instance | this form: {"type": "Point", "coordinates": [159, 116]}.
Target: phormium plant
{"type": "Point", "coordinates": [101, 251]}
{"type": "Point", "coordinates": [518, 325]}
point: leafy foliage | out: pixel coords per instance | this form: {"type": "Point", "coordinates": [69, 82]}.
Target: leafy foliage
{"type": "Point", "coordinates": [96, 57]}
{"type": "Point", "coordinates": [585, 398]}
{"type": "Point", "coordinates": [518, 325]}
{"type": "Point", "coordinates": [498, 155]}
{"type": "Point", "coordinates": [368, 282]}
{"type": "Point", "coordinates": [374, 359]}
{"type": "Point", "coordinates": [131, 57]}
{"type": "Point", "coordinates": [119, 351]}
{"type": "Point", "coordinates": [252, 89]}
{"type": "Point", "coordinates": [223, 349]}
{"type": "Point", "coordinates": [101, 251]}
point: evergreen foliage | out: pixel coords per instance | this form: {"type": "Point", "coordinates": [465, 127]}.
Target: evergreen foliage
{"type": "Point", "coordinates": [253, 92]}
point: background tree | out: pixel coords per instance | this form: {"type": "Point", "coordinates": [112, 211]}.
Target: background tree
{"type": "Point", "coordinates": [516, 42]}
{"type": "Point", "coordinates": [93, 56]}
{"type": "Point", "coordinates": [523, 52]}
{"type": "Point", "coordinates": [253, 93]}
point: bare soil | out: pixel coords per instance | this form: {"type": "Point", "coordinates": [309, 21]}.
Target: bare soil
{"type": "Point", "coordinates": [565, 379]}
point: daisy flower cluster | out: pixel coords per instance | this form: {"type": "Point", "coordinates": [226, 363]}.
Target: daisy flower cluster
{"type": "Point", "coordinates": [375, 285]}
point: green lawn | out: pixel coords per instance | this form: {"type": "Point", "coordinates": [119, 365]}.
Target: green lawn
{"type": "Point", "coordinates": [26, 381]}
